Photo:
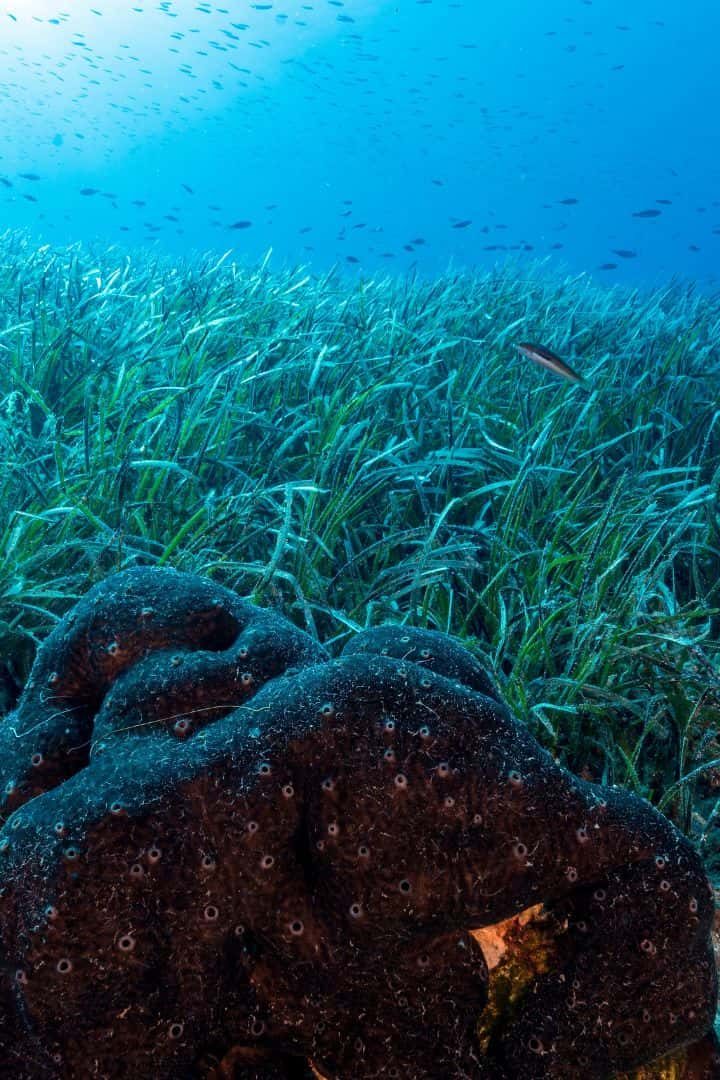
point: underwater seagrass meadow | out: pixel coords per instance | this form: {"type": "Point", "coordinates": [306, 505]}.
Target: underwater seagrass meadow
{"type": "Point", "coordinates": [376, 450]}
{"type": "Point", "coordinates": [359, 540]}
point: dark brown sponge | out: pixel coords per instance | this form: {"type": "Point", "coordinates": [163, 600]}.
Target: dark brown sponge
{"type": "Point", "coordinates": [221, 842]}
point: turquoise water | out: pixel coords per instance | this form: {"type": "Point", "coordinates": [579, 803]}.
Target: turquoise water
{"type": "Point", "coordinates": [370, 134]}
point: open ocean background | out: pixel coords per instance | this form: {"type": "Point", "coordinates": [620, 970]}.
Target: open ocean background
{"type": "Point", "coordinates": [372, 134]}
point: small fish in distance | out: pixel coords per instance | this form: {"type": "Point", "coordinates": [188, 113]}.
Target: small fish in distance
{"type": "Point", "coordinates": [548, 360]}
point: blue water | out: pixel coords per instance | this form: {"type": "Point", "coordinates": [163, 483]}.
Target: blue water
{"type": "Point", "coordinates": [371, 134]}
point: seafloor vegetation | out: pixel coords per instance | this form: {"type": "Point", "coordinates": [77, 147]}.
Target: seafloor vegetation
{"type": "Point", "coordinates": [370, 450]}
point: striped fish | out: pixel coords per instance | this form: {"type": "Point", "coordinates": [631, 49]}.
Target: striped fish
{"type": "Point", "coordinates": [548, 360]}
